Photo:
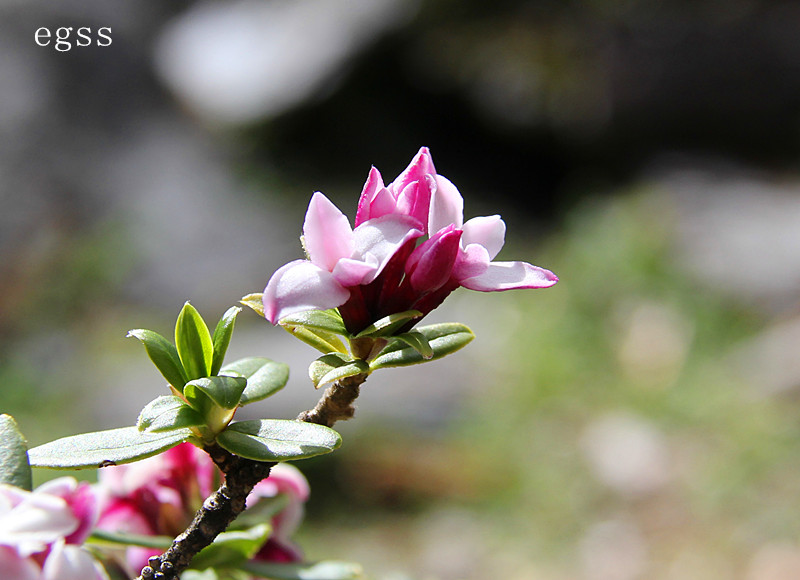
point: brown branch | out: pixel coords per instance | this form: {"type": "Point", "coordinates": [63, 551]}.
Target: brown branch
{"type": "Point", "coordinates": [214, 517]}
{"type": "Point", "coordinates": [336, 404]}
{"type": "Point", "coordinates": [241, 475]}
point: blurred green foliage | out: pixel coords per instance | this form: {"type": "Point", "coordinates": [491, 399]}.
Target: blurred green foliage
{"type": "Point", "coordinates": [508, 485]}
{"type": "Point", "coordinates": [626, 333]}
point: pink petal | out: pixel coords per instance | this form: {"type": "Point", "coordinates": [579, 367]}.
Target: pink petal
{"type": "Point", "coordinates": [382, 204]}
{"type": "Point", "coordinates": [283, 478]}
{"type": "Point", "coordinates": [501, 276]}
{"type": "Point", "coordinates": [447, 206]}
{"type": "Point", "coordinates": [415, 199]}
{"type": "Point", "coordinates": [81, 501]}
{"type": "Point", "coordinates": [372, 188]}
{"type": "Point", "coordinates": [471, 262]}
{"type": "Point", "coordinates": [327, 234]}
{"type": "Point", "coordinates": [188, 468]}
{"type": "Point", "coordinates": [349, 272]}
{"type": "Point", "coordinates": [377, 240]}
{"type": "Point", "coordinates": [277, 551]}
{"type": "Point", "coordinates": [15, 566]}
{"type": "Point", "coordinates": [123, 515]}
{"type": "Point", "coordinates": [137, 558]}
{"type": "Point", "coordinates": [488, 231]}
{"type": "Point", "coordinates": [299, 286]}
{"type": "Point", "coordinates": [421, 165]}
{"type": "Point", "coordinates": [432, 262]}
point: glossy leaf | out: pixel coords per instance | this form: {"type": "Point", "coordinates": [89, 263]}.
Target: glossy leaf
{"type": "Point", "coordinates": [225, 392]}
{"type": "Point", "coordinates": [418, 342]}
{"type": "Point", "coordinates": [443, 338]}
{"type": "Point", "coordinates": [254, 302]}
{"type": "Point", "coordinates": [278, 440]}
{"type": "Point", "coordinates": [166, 413]}
{"type": "Point", "coordinates": [265, 377]}
{"type": "Point", "coordinates": [231, 549]}
{"type": "Point", "coordinates": [163, 354]}
{"type": "Point", "coordinates": [325, 342]}
{"type": "Point", "coordinates": [193, 342]}
{"type": "Point", "coordinates": [332, 367]}
{"type": "Point", "coordinates": [388, 324]}
{"type": "Point", "coordinates": [325, 570]}
{"type": "Point", "coordinates": [325, 320]}
{"type": "Point", "coordinates": [14, 467]}
{"type": "Point", "coordinates": [222, 338]}
{"type": "Point", "coordinates": [103, 448]}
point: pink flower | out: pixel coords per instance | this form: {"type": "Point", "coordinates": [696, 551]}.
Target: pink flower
{"type": "Point", "coordinates": [378, 269]}
{"type": "Point", "coordinates": [409, 194]}
{"type": "Point", "coordinates": [160, 495]}
{"type": "Point", "coordinates": [41, 532]}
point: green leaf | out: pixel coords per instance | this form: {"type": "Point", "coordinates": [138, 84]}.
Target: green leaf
{"type": "Point", "coordinates": [222, 337]}
{"type": "Point", "coordinates": [325, 570]}
{"type": "Point", "coordinates": [208, 574]}
{"type": "Point", "coordinates": [231, 549]}
{"type": "Point", "coordinates": [106, 538]}
{"type": "Point", "coordinates": [388, 324]}
{"type": "Point", "coordinates": [103, 448]}
{"type": "Point", "coordinates": [265, 377]}
{"type": "Point", "coordinates": [163, 354]}
{"type": "Point", "coordinates": [332, 367]}
{"type": "Point", "coordinates": [14, 467]}
{"type": "Point", "coordinates": [263, 510]}
{"type": "Point", "coordinates": [225, 392]}
{"type": "Point", "coordinates": [215, 574]}
{"type": "Point", "coordinates": [325, 320]}
{"type": "Point", "coordinates": [278, 440]}
{"type": "Point", "coordinates": [193, 342]}
{"type": "Point", "coordinates": [325, 342]}
{"type": "Point", "coordinates": [418, 342]}
{"type": "Point", "coordinates": [166, 413]}
{"type": "Point", "coordinates": [254, 302]}
{"type": "Point", "coordinates": [443, 338]}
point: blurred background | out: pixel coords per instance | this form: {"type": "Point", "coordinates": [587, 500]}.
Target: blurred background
{"type": "Point", "coordinates": [640, 420]}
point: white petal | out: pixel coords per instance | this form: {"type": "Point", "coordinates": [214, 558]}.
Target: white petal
{"type": "Point", "coordinates": [377, 240]}
{"type": "Point", "coordinates": [509, 276]}
{"type": "Point", "coordinates": [488, 231]}
{"type": "Point", "coordinates": [447, 206]}
{"type": "Point", "coordinates": [15, 566]}
{"type": "Point", "coordinates": [38, 520]}
{"type": "Point", "coordinates": [299, 286]}
{"type": "Point", "coordinates": [327, 234]}
{"type": "Point", "coordinates": [71, 563]}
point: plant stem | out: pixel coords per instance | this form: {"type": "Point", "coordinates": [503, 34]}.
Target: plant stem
{"type": "Point", "coordinates": [241, 475]}
{"type": "Point", "coordinates": [336, 404]}
{"type": "Point", "coordinates": [216, 514]}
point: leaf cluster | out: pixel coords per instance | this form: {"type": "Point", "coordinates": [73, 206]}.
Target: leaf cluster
{"type": "Point", "coordinates": [204, 396]}
{"type": "Point", "coordinates": [380, 345]}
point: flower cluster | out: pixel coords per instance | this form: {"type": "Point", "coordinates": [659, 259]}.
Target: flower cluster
{"type": "Point", "coordinates": [385, 264]}
{"type": "Point", "coordinates": [41, 532]}
{"type": "Point", "coordinates": [160, 495]}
